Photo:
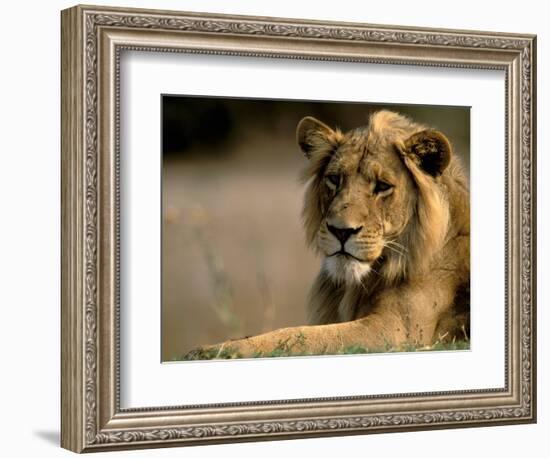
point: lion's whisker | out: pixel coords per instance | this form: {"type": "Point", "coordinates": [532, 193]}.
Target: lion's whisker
{"type": "Point", "coordinates": [376, 272]}
{"type": "Point", "coordinates": [396, 245]}
{"type": "Point", "coordinates": [400, 253]}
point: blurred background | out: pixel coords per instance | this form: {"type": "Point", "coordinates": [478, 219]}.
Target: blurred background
{"type": "Point", "coordinates": [234, 260]}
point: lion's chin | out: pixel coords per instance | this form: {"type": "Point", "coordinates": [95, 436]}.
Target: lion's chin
{"type": "Point", "coordinates": [346, 270]}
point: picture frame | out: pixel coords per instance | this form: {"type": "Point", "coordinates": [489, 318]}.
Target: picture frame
{"type": "Point", "coordinates": [93, 40]}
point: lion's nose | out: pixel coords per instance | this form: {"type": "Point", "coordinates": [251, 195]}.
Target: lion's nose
{"type": "Point", "coordinates": [343, 233]}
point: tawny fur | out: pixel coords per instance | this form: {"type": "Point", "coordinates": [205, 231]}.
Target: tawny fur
{"type": "Point", "coordinates": [408, 279]}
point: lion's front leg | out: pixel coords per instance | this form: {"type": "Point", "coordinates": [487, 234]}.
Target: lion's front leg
{"type": "Point", "coordinates": [295, 341]}
{"type": "Point", "coordinates": [230, 349]}
{"type": "Point", "coordinates": [282, 342]}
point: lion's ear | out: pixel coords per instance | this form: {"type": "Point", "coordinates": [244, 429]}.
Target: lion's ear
{"type": "Point", "coordinates": [431, 150]}
{"type": "Point", "coordinates": [313, 135]}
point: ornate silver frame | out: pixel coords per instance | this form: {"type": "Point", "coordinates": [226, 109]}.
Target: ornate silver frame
{"type": "Point", "coordinates": [92, 40]}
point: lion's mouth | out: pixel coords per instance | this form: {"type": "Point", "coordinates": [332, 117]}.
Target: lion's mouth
{"type": "Point", "coordinates": [345, 254]}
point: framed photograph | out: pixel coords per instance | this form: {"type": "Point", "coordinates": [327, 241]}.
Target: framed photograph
{"type": "Point", "coordinates": [278, 228]}
{"type": "Point", "coordinates": [244, 280]}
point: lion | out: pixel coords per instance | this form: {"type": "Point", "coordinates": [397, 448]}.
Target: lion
{"type": "Point", "coordinates": [387, 208]}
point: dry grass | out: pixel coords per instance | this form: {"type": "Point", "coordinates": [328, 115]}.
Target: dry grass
{"type": "Point", "coordinates": [234, 258]}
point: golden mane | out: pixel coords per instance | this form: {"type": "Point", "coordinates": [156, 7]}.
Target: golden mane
{"type": "Point", "coordinates": [440, 209]}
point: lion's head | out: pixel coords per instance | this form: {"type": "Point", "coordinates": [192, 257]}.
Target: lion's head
{"type": "Point", "coordinates": [375, 199]}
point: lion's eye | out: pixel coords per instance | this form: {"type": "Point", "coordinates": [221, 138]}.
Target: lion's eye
{"type": "Point", "coordinates": [333, 181]}
{"type": "Point", "coordinates": [381, 186]}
